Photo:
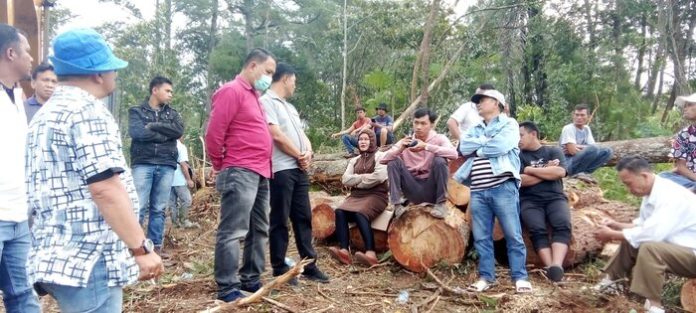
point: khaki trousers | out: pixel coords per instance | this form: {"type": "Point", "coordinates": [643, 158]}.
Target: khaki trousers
{"type": "Point", "coordinates": [649, 264]}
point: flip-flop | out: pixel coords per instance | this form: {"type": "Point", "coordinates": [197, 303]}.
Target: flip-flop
{"type": "Point", "coordinates": [340, 256]}
{"type": "Point", "coordinates": [365, 259]}
{"type": "Point", "coordinates": [555, 273]}
{"type": "Point", "coordinates": [523, 286]}
{"type": "Point", "coordinates": [480, 286]}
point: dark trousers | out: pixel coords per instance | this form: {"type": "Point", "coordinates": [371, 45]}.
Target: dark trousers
{"type": "Point", "coordinates": [290, 199]}
{"type": "Point", "coordinates": [431, 190]}
{"type": "Point", "coordinates": [535, 215]}
{"type": "Point", "coordinates": [342, 220]}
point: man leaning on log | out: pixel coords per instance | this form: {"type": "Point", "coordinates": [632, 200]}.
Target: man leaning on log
{"type": "Point", "coordinates": [660, 240]}
{"type": "Point", "coordinates": [492, 171]}
{"type": "Point", "coordinates": [417, 166]}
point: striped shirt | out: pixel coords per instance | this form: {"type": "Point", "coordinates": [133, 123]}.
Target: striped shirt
{"type": "Point", "coordinates": [482, 175]}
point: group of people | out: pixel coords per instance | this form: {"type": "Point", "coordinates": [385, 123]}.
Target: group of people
{"type": "Point", "coordinates": [66, 169]}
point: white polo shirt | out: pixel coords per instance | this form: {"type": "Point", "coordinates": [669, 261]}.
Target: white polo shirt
{"type": "Point", "coordinates": [13, 137]}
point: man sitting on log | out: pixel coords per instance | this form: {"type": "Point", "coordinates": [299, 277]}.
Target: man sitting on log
{"type": "Point", "coordinates": [349, 137]}
{"type": "Point", "coordinates": [542, 199]}
{"type": "Point", "coordinates": [417, 166]}
{"type": "Point", "coordinates": [492, 170]}
{"type": "Point", "coordinates": [582, 155]}
{"type": "Point", "coordinates": [383, 125]}
{"type": "Point", "coordinates": [660, 240]}
{"type": "Point", "coordinates": [684, 146]}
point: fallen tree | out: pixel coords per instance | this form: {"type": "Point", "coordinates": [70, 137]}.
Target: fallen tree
{"type": "Point", "coordinates": [688, 295]}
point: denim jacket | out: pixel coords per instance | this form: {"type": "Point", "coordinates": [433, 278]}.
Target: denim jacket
{"type": "Point", "coordinates": [497, 141]}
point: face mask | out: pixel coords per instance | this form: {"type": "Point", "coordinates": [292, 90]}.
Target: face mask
{"type": "Point", "coordinates": [263, 83]}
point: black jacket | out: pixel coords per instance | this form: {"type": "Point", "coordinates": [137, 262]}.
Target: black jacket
{"type": "Point", "coordinates": [154, 134]}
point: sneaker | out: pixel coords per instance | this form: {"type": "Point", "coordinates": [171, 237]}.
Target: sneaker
{"type": "Point", "coordinates": [291, 282]}
{"type": "Point", "coordinates": [316, 275]}
{"type": "Point", "coordinates": [585, 177]}
{"type": "Point", "coordinates": [232, 296]}
{"type": "Point", "coordinates": [649, 308]}
{"type": "Point", "coordinates": [439, 211]}
{"type": "Point", "coordinates": [399, 210]}
{"type": "Point", "coordinates": [251, 286]}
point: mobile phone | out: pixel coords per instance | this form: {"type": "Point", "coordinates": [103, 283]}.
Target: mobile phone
{"type": "Point", "coordinates": [374, 120]}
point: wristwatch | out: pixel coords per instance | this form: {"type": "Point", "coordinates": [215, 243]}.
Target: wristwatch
{"type": "Point", "coordinates": [146, 247]}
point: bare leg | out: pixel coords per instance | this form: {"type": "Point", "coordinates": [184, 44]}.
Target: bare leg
{"type": "Point", "coordinates": [383, 136]}
{"type": "Point", "coordinates": [559, 251]}
{"type": "Point", "coordinates": [545, 256]}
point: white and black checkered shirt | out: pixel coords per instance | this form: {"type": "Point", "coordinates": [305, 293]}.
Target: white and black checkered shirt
{"type": "Point", "coordinates": [71, 139]}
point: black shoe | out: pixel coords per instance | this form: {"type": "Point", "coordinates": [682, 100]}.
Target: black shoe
{"type": "Point", "coordinates": [316, 275]}
{"type": "Point", "coordinates": [278, 272]}
{"type": "Point", "coordinates": [251, 286]}
{"type": "Point", "coordinates": [555, 273]}
{"type": "Point", "coordinates": [232, 296]}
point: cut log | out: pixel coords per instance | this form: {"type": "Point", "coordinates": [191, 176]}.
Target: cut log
{"type": "Point", "coordinates": [326, 170]}
{"type": "Point", "coordinates": [688, 295]}
{"type": "Point", "coordinates": [323, 215]}
{"type": "Point", "coordinates": [356, 240]}
{"type": "Point", "coordinates": [582, 194]}
{"type": "Point", "coordinates": [418, 241]}
{"type": "Point", "coordinates": [457, 193]}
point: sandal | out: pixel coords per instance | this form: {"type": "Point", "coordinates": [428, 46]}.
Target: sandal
{"type": "Point", "coordinates": [366, 259]}
{"type": "Point", "coordinates": [523, 286]}
{"type": "Point", "coordinates": [480, 286]}
{"type": "Point", "coordinates": [341, 256]}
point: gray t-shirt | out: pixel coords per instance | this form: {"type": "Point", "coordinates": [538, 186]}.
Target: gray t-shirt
{"type": "Point", "coordinates": [571, 134]}
{"type": "Point", "coordinates": [282, 113]}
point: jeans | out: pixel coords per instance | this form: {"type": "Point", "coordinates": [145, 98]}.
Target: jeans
{"type": "Point", "coordinates": [290, 199]}
{"type": "Point", "coordinates": [179, 194]}
{"type": "Point", "coordinates": [97, 296]}
{"type": "Point", "coordinates": [15, 241]}
{"type": "Point", "coordinates": [153, 184]}
{"type": "Point", "coordinates": [679, 179]}
{"type": "Point", "coordinates": [501, 201]}
{"type": "Point", "coordinates": [588, 159]}
{"type": "Point", "coordinates": [350, 142]}
{"type": "Point", "coordinates": [243, 215]}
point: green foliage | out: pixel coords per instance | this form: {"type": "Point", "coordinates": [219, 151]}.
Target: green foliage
{"type": "Point", "coordinates": [613, 189]}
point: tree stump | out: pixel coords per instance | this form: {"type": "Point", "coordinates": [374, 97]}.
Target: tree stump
{"type": "Point", "coordinates": [418, 241]}
{"type": "Point", "coordinates": [688, 295]}
{"type": "Point", "coordinates": [323, 215]}
{"type": "Point", "coordinates": [356, 240]}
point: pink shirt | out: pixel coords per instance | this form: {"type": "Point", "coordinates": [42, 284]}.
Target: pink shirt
{"type": "Point", "coordinates": [237, 134]}
{"type": "Point", "coordinates": [419, 163]}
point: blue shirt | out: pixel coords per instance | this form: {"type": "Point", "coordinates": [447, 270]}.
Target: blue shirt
{"type": "Point", "coordinates": [385, 120]}
{"type": "Point", "coordinates": [31, 106]}
{"type": "Point", "coordinates": [498, 141]}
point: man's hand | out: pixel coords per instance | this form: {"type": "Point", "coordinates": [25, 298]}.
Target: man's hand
{"type": "Point", "coordinates": [404, 142]}
{"type": "Point", "coordinates": [335, 135]}
{"type": "Point", "coordinates": [419, 147]}
{"type": "Point", "coordinates": [190, 183]}
{"type": "Point", "coordinates": [213, 174]}
{"type": "Point", "coordinates": [604, 233]}
{"type": "Point", "coordinates": [554, 162]}
{"type": "Point", "coordinates": [150, 265]}
{"type": "Point", "coordinates": [305, 160]}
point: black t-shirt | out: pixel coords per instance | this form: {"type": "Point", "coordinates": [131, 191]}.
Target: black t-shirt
{"type": "Point", "coordinates": [548, 189]}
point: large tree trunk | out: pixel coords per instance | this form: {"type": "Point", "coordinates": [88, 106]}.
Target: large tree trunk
{"type": "Point", "coordinates": [688, 296]}
{"type": "Point", "coordinates": [418, 241]}
{"type": "Point", "coordinates": [323, 215]}
{"type": "Point", "coordinates": [327, 170]}
{"type": "Point", "coordinates": [380, 236]}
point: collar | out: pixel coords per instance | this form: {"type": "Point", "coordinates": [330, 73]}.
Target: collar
{"type": "Point", "coordinates": [244, 83]}
{"type": "Point", "coordinates": [33, 101]}
{"type": "Point", "coordinates": [502, 117]}
{"type": "Point", "coordinates": [274, 95]}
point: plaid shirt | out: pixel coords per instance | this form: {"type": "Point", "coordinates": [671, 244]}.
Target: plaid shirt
{"type": "Point", "coordinates": [72, 138]}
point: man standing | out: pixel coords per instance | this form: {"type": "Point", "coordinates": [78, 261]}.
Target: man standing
{"type": "Point", "coordinates": [417, 166]}
{"type": "Point", "coordinates": [466, 116]}
{"type": "Point", "coordinates": [82, 193]}
{"type": "Point", "coordinates": [240, 147]}
{"type": "Point", "coordinates": [180, 189]}
{"type": "Point", "coordinates": [492, 170]}
{"type": "Point", "coordinates": [43, 81]}
{"type": "Point", "coordinates": [659, 241]}
{"type": "Point", "coordinates": [582, 155]}
{"type": "Point", "coordinates": [383, 123]}
{"type": "Point", "coordinates": [292, 155]}
{"type": "Point", "coordinates": [349, 136]}
{"type": "Point", "coordinates": [542, 199]}
{"type": "Point", "coordinates": [15, 241]}
{"type": "Point", "coordinates": [154, 127]}
{"type": "Point", "coordinates": [684, 146]}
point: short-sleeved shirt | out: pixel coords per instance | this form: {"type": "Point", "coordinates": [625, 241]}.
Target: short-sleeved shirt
{"type": "Point", "coordinates": [31, 106]}
{"type": "Point", "coordinates": [179, 178]}
{"type": "Point", "coordinates": [283, 114]}
{"type": "Point", "coordinates": [571, 134]}
{"type": "Point", "coordinates": [466, 116]}
{"type": "Point", "coordinates": [547, 189]}
{"type": "Point", "coordinates": [361, 122]}
{"type": "Point", "coordinates": [71, 140]}
{"type": "Point", "coordinates": [384, 121]}
{"type": "Point", "coordinates": [684, 147]}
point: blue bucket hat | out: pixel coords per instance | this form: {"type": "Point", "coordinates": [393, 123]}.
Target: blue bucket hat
{"type": "Point", "coordinates": [83, 51]}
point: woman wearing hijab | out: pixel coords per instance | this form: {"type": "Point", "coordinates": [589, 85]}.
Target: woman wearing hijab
{"type": "Point", "coordinates": [367, 200]}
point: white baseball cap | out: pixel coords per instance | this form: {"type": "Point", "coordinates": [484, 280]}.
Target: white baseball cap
{"type": "Point", "coordinates": [683, 100]}
{"type": "Point", "coordinates": [491, 93]}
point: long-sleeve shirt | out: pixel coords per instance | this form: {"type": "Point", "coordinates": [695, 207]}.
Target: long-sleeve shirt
{"type": "Point", "coordinates": [238, 134]}
{"type": "Point", "coordinates": [497, 141]}
{"type": "Point", "coordinates": [365, 181]}
{"type": "Point", "coordinates": [668, 215]}
{"type": "Point", "coordinates": [419, 163]}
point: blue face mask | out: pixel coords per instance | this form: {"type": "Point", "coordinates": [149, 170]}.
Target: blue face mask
{"type": "Point", "coordinates": [263, 83]}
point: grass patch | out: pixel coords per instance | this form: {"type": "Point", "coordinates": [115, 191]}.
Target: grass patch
{"type": "Point", "coordinates": [615, 190]}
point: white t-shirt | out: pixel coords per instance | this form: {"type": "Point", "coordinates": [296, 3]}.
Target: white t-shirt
{"type": "Point", "coordinates": [179, 178]}
{"type": "Point", "coordinates": [13, 127]}
{"type": "Point", "coordinates": [467, 116]}
{"type": "Point", "coordinates": [571, 134]}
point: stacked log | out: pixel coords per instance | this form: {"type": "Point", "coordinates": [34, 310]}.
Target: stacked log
{"type": "Point", "coordinates": [418, 241]}
{"type": "Point", "coordinates": [380, 236]}
{"type": "Point", "coordinates": [323, 214]}
{"type": "Point", "coordinates": [688, 295]}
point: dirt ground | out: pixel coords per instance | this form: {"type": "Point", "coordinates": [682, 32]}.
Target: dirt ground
{"type": "Point", "coordinates": [188, 285]}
